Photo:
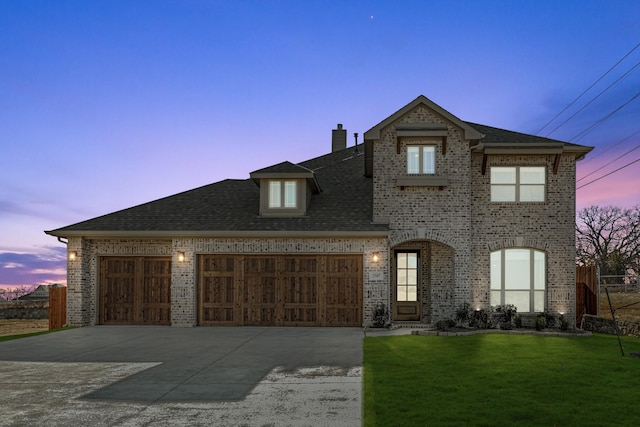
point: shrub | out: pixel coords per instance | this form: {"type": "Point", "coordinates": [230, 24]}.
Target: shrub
{"type": "Point", "coordinates": [564, 324]}
{"type": "Point", "coordinates": [380, 315]}
{"type": "Point", "coordinates": [481, 319]}
{"type": "Point", "coordinates": [445, 325]}
{"type": "Point", "coordinates": [541, 322]}
{"type": "Point", "coordinates": [463, 313]}
{"type": "Point", "coordinates": [517, 320]}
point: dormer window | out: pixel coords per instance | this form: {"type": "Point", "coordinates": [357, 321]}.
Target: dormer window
{"type": "Point", "coordinates": [421, 160]}
{"type": "Point", "coordinates": [285, 189]}
{"type": "Point", "coordinates": [283, 194]}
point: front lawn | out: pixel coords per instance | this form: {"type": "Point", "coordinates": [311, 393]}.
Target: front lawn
{"type": "Point", "coordinates": [501, 380]}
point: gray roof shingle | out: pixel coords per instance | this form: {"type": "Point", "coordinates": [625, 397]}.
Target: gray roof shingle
{"type": "Point", "coordinates": [344, 205]}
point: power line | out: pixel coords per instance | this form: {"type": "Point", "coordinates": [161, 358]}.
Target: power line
{"type": "Point", "coordinates": [593, 99]}
{"type": "Point", "coordinates": [580, 135]}
{"type": "Point", "coordinates": [604, 166]}
{"type": "Point", "coordinates": [610, 173]}
{"type": "Point", "coordinates": [588, 89]}
{"type": "Point", "coordinates": [610, 148]}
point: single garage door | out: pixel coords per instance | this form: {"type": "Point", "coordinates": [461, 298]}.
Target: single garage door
{"type": "Point", "coordinates": [280, 290]}
{"type": "Point", "coordinates": [135, 291]}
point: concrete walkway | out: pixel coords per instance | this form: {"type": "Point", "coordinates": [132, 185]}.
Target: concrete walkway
{"type": "Point", "coordinates": [191, 376]}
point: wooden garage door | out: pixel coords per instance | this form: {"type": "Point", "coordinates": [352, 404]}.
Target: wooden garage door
{"type": "Point", "coordinates": [283, 290]}
{"type": "Point", "coordinates": [135, 291]}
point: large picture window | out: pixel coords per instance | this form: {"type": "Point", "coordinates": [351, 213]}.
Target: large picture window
{"type": "Point", "coordinates": [518, 183]}
{"type": "Point", "coordinates": [518, 277]}
{"type": "Point", "coordinates": [421, 159]}
{"type": "Point", "coordinates": [282, 194]}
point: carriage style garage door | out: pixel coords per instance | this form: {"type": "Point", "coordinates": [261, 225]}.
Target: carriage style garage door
{"type": "Point", "coordinates": [280, 290]}
{"type": "Point", "coordinates": [135, 291]}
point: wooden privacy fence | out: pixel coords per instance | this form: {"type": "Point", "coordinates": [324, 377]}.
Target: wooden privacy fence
{"type": "Point", "coordinates": [586, 292]}
{"type": "Point", "coordinates": [57, 307]}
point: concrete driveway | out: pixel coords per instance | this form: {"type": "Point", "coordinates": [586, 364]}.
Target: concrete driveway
{"type": "Point", "coordinates": [130, 375]}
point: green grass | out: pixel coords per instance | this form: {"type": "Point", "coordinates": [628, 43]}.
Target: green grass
{"type": "Point", "coordinates": [31, 334]}
{"type": "Point", "coordinates": [501, 380]}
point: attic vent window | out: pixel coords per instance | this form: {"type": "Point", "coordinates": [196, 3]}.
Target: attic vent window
{"type": "Point", "coordinates": [282, 194]}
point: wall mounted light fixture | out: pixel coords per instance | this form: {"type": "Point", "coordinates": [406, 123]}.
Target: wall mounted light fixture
{"type": "Point", "coordinates": [375, 257]}
{"type": "Point", "coordinates": [181, 256]}
{"type": "Point", "coordinates": [72, 255]}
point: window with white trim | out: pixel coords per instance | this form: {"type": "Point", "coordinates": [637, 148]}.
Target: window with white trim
{"type": "Point", "coordinates": [518, 277]}
{"type": "Point", "coordinates": [283, 194]}
{"type": "Point", "coordinates": [421, 159]}
{"type": "Point", "coordinates": [518, 183]}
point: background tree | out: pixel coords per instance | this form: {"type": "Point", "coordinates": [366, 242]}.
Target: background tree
{"type": "Point", "coordinates": [609, 237]}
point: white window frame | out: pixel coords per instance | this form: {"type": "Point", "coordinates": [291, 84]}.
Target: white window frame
{"type": "Point", "coordinates": [283, 194]}
{"type": "Point", "coordinates": [523, 279]}
{"type": "Point", "coordinates": [426, 159]}
{"type": "Point", "coordinates": [520, 188]}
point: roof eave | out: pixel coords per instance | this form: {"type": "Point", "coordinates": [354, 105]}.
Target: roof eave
{"type": "Point", "coordinates": [166, 234]}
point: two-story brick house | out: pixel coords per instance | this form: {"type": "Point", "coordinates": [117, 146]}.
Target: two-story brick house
{"type": "Point", "coordinates": [430, 212]}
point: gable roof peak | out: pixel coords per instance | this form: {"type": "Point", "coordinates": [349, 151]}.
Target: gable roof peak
{"type": "Point", "coordinates": [469, 132]}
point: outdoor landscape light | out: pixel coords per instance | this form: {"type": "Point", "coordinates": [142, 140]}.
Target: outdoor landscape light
{"type": "Point", "coordinates": [181, 257]}
{"type": "Point", "coordinates": [73, 255]}
{"type": "Point", "coordinates": [376, 257]}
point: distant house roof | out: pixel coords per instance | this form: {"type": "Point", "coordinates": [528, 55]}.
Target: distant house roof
{"type": "Point", "coordinates": [40, 293]}
{"type": "Point", "coordinates": [231, 207]}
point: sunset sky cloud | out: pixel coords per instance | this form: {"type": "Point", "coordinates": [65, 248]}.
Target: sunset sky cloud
{"type": "Point", "coordinates": [106, 105]}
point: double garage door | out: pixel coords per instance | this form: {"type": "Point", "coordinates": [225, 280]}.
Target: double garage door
{"type": "Point", "coordinates": [283, 290]}
{"type": "Point", "coordinates": [260, 290]}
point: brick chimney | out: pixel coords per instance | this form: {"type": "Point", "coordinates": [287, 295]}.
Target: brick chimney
{"type": "Point", "coordinates": [338, 139]}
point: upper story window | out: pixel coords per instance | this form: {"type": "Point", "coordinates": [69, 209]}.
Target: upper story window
{"type": "Point", "coordinates": [283, 194]}
{"type": "Point", "coordinates": [518, 183]}
{"type": "Point", "coordinates": [421, 159]}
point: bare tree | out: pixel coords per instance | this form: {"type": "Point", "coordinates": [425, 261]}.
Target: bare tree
{"type": "Point", "coordinates": [9, 294]}
{"type": "Point", "coordinates": [609, 237]}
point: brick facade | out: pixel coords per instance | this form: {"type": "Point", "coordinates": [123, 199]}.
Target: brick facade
{"type": "Point", "coordinates": [448, 217]}
{"type": "Point", "coordinates": [83, 274]}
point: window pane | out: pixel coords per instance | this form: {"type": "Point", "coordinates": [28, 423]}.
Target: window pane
{"type": "Point", "coordinates": [402, 260]}
{"type": "Point", "coordinates": [413, 159]}
{"type": "Point", "coordinates": [289, 194]}
{"type": "Point", "coordinates": [274, 194]}
{"type": "Point", "coordinates": [412, 277]}
{"type": "Point", "coordinates": [503, 193]}
{"type": "Point", "coordinates": [503, 175]}
{"type": "Point", "coordinates": [428, 160]}
{"type": "Point", "coordinates": [495, 298]}
{"type": "Point", "coordinates": [539, 270]}
{"type": "Point", "coordinates": [412, 260]}
{"type": "Point", "coordinates": [518, 298]}
{"type": "Point", "coordinates": [402, 293]}
{"type": "Point", "coordinates": [532, 193]}
{"type": "Point", "coordinates": [517, 269]}
{"type": "Point", "coordinates": [412, 293]}
{"type": "Point", "coordinates": [538, 301]}
{"type": "Point", "coordinates": [402, 277]}
{"type": "Point", "coordinates": [496, 271]}
{"type": "Point", "coordinates": [532, 175]}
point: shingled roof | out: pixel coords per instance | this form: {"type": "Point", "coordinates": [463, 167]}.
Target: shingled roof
{"type": "Point", "coordinates": [231, 206]}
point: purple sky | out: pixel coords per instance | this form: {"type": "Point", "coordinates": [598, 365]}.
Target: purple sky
{"type": "Point", "coordinates": [109, 104]}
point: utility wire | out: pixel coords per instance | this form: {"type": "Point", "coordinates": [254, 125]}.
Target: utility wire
{"type": "Point", "coordinates": [604, 166]}
{"type": "Point", "coordinates": [593, 99]}
{"type": "Point", "coordinates": [588, 89]}
{"type": "Point", "coordinates": [610, 148]}
{"type": "Point", "coordinates": [610, 173]}
{"type": "Point", "coordinates": [602, 120]}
